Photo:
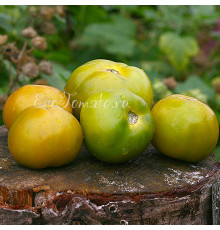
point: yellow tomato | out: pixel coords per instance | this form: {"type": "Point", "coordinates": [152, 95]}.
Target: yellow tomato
{"type": "Point", "coordinates": [30, 95]}
{"type": "Point", "coordinates": [186, 128]}
{"type": "Point", "coordinates": [100, 75]}
{"type": "Point", "coordinates": [43, 137]}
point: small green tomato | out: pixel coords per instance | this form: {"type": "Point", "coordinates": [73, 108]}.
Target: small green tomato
{"type": "Point", "coordinates": [117, 125]}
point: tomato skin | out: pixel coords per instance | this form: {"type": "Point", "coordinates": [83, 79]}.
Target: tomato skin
{"type": "Point", "coordinates": [109, 135]}
{"type": "Point", "coordinates": [186, 128]}
{"type": "Point", "coordinates": [43, 137]}
{"type": "Point", "coordinates": [30, 95]}
{"type": "Point", "coordinates": [100, 75]}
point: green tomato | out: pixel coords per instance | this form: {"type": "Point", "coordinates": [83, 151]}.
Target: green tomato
{"type": "Point", "coordinates": [185, 128]}
{"type": "Point", "coordinates": [100, 75]}
{"type": "Point", "coordinates": [117, 125]}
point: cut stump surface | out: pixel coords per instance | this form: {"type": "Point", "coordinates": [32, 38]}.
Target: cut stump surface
{"type": "Point", "coordinates": [151, 189]}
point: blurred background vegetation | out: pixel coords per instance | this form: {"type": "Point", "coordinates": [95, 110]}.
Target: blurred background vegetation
{"type": "Point", "coordinates": [177, 46]}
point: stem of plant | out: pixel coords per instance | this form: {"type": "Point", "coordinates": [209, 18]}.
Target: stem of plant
{"type": "Point", "coordinates": [17, 62]}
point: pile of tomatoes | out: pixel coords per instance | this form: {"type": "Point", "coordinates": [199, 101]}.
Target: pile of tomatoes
{"type": "Point", "coordinates": [107, 105]}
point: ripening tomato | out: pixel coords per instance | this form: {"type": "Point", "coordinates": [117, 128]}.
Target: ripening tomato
{"type": "Point", "coordinates": [186, 128]}
{"type": "Point", "coordinates": [30, 95]}
{"type": "Point", "coordinates": [100, 75]}
{"type": "Point", "coordinates": [43, 137]}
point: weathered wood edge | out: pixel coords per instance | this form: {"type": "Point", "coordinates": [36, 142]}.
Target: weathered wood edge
{"type": "Point", "coordinates": [69, 207]}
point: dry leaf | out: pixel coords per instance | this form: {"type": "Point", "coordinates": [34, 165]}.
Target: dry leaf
{"type": "Point", "coordinates": [40, 82]}
{"type": "Point", "coordinates": [46, 67]}
{"type": "Point", "coordinates": [170, 82]}
{"type": "Point", "coordinates": [61, 10]}
{"type": "Point", "coordinates": [3, 99]}
{"type": "Point", "coordinates": [3, 39]}
{"type": "Point", "coordinates": [48, 28]}
{"type": "Point", "coordinates": [29, 32]}
{"type": "Point", "coordinates": [47, 12]}
{"type": "Point", "coordinates": [10, 50]}
{"type": "Point", "coordinates": [30, 69]}
{"type": "Point", "coordinates": [39, 43]}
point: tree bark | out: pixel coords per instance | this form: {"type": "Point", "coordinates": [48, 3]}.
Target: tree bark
{"type": "Point", "coordinates": [216, 202]}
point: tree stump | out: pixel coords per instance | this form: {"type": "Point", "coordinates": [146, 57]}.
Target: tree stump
{"type": "Point", "coordinates": [216, 202]}
{"type": "Point", "coordinates": [151, 189]}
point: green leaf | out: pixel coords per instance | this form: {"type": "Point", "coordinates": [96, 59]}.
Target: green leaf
{"type": "Point", "coordinates": [84, 15]}
{"type": "Point", "coordinates": [59, 77]}
{"type": "Point", "coordinates": [124, 8]}
{"type": "Point", "coordinates": [5, 22]}
{"type": "Point", "coordinates": [216, 103]}
{"type": "Point", "coordinates": [4, 76]}
{"type": "Point", "coordinates": [116, 37]}
{"type": "Point", "coordinates": [151, 14]}
{"type": "Point", "coordinates": [217, 113]}
{"type": "Point", "coordinates": [172, 17]}
{"type": "Point", "coordinates": [203, 11]}
{"type": "Point", "coordinates": [3, 90]}
{"type": "Point", "coordinates": [61, 56]}
{"type": "Point", "coordinates": [204, 14]}
{"type": "Point", "coordinates": [1, 118]}
{"type": "Point", "coordinates": [196, 93]}
{"type": "Point", "coordinates": [157, 66]}
{"type": "Point", "coordinates": [160, 90]}
{"type": "Point", "coordinates": [194, 82]}
{"type": "Point", "coordinates": [217, 153]}
{"type": "Point", "coordinates": [178, 49]}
